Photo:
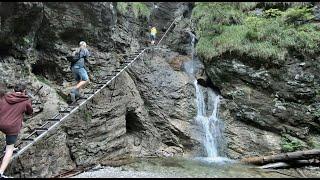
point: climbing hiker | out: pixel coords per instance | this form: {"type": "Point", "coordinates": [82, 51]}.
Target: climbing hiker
{"type": "Point", "coordinates": [153, 32]}
{"type": "Point", "coordinates": [12, 107]}
{"type": "Point", "coordinates": [78, 68]}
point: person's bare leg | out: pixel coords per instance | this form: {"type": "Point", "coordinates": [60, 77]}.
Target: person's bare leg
{"type": "Point", "coordinates": [7, 157]}
{"type": "Point", "coordinates": [81, 84]}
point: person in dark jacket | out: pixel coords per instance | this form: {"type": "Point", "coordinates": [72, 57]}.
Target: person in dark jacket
{"type": "Point", "coordinates": [79, 71]}
{"type": "Point", "coordinates": [12, 107]}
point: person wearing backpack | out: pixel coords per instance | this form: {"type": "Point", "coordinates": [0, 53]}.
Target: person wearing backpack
{"type": "Point", "coordinates": [153, 32]}
{"type": "Point", "coordinates": [12, 107]}
{"type": "Point", "coordinates": [78, 69]}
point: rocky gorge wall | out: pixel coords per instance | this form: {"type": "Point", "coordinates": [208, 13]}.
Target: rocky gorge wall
{"type": "Point", "coordinates": [149, 109]}
{"type": "Point", "coordinates": [132, 117]}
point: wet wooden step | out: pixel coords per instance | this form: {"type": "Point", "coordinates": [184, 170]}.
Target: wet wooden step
{"type": "Point", "coordinates": [64, 111]}
{"type": "Point", "coordinates": [53, 119]}
{"type": "Point", "coordinates": [41, 129]}
{"type": "Point", "coordinates": [27, 139]}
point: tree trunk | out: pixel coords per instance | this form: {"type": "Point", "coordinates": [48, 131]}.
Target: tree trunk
{"type": "Point", "coordinates": [284, 157]}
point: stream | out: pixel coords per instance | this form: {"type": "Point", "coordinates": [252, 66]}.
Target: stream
{"type": "Point", "coordinates": [177, 167]}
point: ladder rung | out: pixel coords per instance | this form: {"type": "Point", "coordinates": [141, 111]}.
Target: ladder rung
{"type": "Point", "coordinates": [53, 119]}
{"type": "Point", "coordinates": [100, 83]}
{"type": "Point", "coordinates": [43, 125]}
{"type": "Point", "coordinates": [98, 86]}
{"type": "Point", "coordinates": [38, 132]}
{"type": "Point", "coordinates": [31, 134]}
{"type": "Point", "coordinates": [82, 97]}
{"type": "Point", "coordinates": [41, 129]}
{"type": "Point", "coordinates": [27, 139]}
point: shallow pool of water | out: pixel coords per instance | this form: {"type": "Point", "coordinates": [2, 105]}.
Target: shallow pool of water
{"type": "Point", "coordinates": [198, 167]}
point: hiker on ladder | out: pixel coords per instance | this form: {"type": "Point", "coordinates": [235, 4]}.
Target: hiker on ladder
{"type": "Point", "coordinates": [78, 68]}
{"type": "Point", "coordinates": [153, 32]}
{"type": "Point", "coordinates": [12, 107]}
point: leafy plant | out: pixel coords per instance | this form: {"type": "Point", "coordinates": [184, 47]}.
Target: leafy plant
{"type": "Point", "coordinates": [87, 115]}
{"type": "Point", "coordinates": [140, 9]}
{"type": "Point", "coordinates": [272, 13]}
{"type": "Point", "coordinates": [290, 145]}
{"type": "Point", "coordinates": [299, 13]}
{"type": "Point", "coordinates": [43, 79]}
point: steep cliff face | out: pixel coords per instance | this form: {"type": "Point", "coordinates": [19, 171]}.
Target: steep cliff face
{"type": "Point", "coordinates": [270, 104]}
{"type": "Point", "coordinates": [149, 109]}
{"type": "Point", "coordinates": [131, 117]}
{"type": "Point", "coordinates": [264, 103]}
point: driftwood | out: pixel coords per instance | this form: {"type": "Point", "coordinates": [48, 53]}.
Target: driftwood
{"type": "Point", "coordinates": [295, 163]}
{"type": "Point", "coordinates": [285, 157]}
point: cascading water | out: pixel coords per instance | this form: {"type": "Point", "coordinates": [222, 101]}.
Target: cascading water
{"type": "Point", "coordinates": [210, 123]}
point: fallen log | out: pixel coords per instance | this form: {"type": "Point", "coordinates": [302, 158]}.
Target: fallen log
{"type": "Point", "coordinates": [295, 163]}
{"type": "Point", "coordinates": [283, 157]}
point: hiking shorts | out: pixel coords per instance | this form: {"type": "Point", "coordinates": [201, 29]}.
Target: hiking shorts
{"type": "Point", "coordinates": [80, 73]}
{"type": "Point", "coordinates": [11, 139]}
{"type": "Point", "coordinates": [153, 37]}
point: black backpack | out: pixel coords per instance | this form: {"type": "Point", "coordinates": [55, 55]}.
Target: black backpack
{"type": "Point", "coordinates": [75, 58]}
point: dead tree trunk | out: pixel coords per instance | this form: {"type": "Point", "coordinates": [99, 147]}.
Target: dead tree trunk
{"type": "Point", "coordinates": [284, 157]}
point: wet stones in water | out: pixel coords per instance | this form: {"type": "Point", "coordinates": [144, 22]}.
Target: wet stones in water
{"type": "Point", "coordinates": [171, 163]}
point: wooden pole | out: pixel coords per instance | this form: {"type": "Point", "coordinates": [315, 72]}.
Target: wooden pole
{"type": "Point", "coordinates": [283, 157]}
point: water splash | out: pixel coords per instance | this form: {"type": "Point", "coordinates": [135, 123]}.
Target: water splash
{"type": "Point", "coordinates": [193, 40]}
{"type": "Point", "coordinates": [211, 125]}
{"type": "Point", "coordinates": [207, 113]}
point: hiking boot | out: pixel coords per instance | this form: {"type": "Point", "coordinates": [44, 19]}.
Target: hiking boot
{"type": "Point", "coordinates": [3, 176]}
{"type": "Point", "coordinates": [74, 94]}
{"type": "Point", "coordinates": [15, 150]}
{"type": "Point", "coordinates": [72, 97]}
{"type": "Point", "coordinates": [74, 103]}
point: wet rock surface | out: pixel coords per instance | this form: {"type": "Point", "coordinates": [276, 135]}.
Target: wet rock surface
{"type": "Point", "coordinates": [149, 109]}
{"type": "Point", "coordinates": [273, 101]}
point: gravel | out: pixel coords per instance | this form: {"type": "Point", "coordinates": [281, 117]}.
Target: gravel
{"type": "Point", "coordinates": [118, 172]}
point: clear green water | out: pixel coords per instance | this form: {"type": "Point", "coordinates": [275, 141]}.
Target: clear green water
{"type": "Point", "coordinates": [191, 168]}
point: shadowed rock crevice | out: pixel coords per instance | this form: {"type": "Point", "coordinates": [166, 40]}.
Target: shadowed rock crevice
{"type": "Point", "coordinates": [133, 123]}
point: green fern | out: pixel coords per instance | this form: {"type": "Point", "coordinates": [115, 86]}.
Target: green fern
{"type": "Point", "coordinates": [140, 9]}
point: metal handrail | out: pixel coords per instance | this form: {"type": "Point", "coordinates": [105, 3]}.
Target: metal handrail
{"type": "Point", "coordinates": [167, 30]}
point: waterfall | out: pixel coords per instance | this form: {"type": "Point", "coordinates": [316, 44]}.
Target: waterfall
{"type": "Point", "coordinates": [189, 66]}
{"type": "Point", "coordinates": [211, 125]}
{"type": "Point", "coordinates": [207, 114]}
{"type": "Point", "coordinates": [193, 40]}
